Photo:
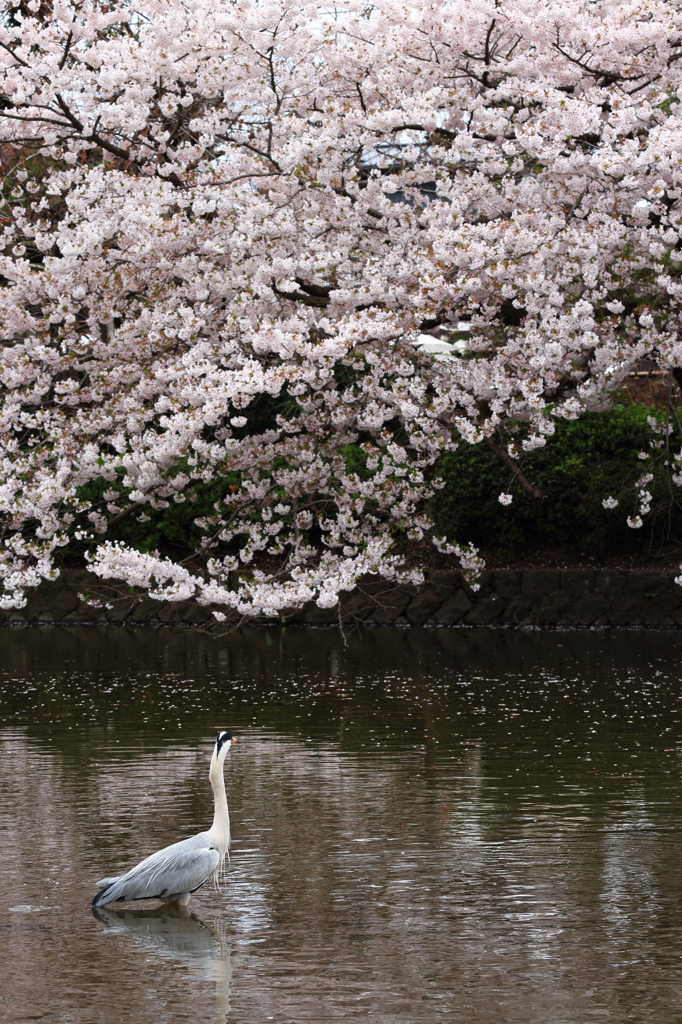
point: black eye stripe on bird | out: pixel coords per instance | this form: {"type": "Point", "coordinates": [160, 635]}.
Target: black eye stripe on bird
{"type": "Point", "coordinates": [223, 738]}
{"type": "Point", "coordinates": [173, 874]}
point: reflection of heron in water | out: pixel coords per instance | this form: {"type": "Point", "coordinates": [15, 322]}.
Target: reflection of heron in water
{"type": "Point", "coordinates": [174, 873]}
{"type": "Point", "coordinates": [175, 933]}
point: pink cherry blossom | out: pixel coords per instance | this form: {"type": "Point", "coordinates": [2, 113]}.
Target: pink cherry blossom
{"type": "Point", "coordinates": [228, 226]}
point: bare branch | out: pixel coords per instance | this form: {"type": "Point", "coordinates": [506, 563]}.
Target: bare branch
{"type": "Point", "coordinates": [124, 514]}
{"type": "Point", "coordinates": [67, 47]}
{"type": "Point", "coordinates": [13, 54]}
{"type": "Point", "coordinates": [511, 464]}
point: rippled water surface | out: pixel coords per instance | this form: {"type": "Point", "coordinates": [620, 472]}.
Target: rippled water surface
{"type": "Point", "coordinates": [428, 826]}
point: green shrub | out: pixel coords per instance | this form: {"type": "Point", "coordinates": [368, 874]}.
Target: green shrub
{"type": "Point", "coordinates": [173, 526]}
{"type": "Point", "coordinates": [584, 462]}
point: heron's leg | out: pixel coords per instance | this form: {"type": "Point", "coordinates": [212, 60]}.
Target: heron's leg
{"type": "Point", "coordinates": [180, 900]}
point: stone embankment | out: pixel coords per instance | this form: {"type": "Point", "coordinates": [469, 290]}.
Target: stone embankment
{"type": "Point", "coordinates": [507, 597]}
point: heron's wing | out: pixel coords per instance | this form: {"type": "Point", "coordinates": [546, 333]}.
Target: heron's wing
{"type": "Point", "coordinates": [177, 869]}
{"type": "Point", "coordinates": [108, 881]}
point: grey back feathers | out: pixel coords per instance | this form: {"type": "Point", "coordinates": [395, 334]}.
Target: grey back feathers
{"type": "Point", "coordinates": [177, 869]}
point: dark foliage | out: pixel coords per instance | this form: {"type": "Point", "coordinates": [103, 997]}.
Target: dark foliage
{"type": "Point", "coordinates": [585, 461]}
{"type": "Point", "coordinates": [172, 527]}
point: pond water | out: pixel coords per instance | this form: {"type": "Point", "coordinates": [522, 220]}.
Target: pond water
{"type": "Point", "coordinates": [429, 826]}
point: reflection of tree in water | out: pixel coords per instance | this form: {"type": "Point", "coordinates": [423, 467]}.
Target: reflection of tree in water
{"type": "Point", "coordinates": [175, 933]}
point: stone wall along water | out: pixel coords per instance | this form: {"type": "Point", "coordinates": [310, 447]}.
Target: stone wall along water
{"type": "Point", "coordinates": [507, 597]}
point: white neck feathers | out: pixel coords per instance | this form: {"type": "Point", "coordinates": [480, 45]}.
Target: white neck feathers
{"type": "Point", "coordinates": [220, 829]}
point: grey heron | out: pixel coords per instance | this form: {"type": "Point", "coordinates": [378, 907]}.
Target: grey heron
{"type": "Point", "coordinates": [174, 873]}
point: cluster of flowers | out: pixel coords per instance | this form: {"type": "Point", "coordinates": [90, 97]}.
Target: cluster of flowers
{"type": "Point", "coordinates": [228, 223]}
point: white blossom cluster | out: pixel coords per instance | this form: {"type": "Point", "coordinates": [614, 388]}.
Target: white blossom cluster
{"type": "Point", "coordinates": [227, 225]}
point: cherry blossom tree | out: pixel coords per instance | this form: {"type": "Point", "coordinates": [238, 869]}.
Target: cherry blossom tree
{"type": "Point", "coordinates": [227, 225]}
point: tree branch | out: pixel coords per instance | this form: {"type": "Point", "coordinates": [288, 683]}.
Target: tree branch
{"type": "Point", "coordinates": [124, 514]}
{"type": "Point", "coordinates": [506, 458]}
{"type": "Point", "coordinates": [67, 47]}
{"type": "Point", "coordinates": [110, 147]}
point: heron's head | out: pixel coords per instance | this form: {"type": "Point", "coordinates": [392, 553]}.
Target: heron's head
{"type": "Point", "coordinates": [223, 743]}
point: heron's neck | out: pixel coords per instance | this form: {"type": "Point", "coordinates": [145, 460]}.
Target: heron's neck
{"type": "Point", "coordinates": [220, 829]}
